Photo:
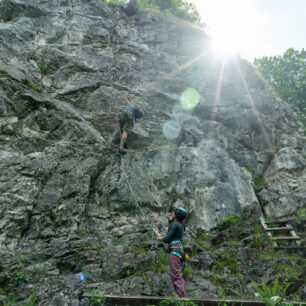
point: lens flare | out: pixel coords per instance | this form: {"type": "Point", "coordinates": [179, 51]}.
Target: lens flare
{"type": "Point", "coordinates": [171, 129]}
{"type": "Point", "coordinates": [180, 114]}
{"type": "Point", "coordinates": [190, 98]}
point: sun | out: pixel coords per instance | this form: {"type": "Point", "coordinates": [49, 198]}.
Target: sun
{"type": "Point", "coordinates": [223, 47]}
{"type": "Point", "coordinates": [236, 26]}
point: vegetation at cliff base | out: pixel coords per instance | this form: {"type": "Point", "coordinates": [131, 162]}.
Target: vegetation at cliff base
{"type": "Point", "coordinates": [287, 76]}
{"type": "Point", "coordinates": [179, 8]}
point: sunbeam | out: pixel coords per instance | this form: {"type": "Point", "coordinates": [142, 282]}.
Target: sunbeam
{"type": "Point", "coordinates": [249, 95]}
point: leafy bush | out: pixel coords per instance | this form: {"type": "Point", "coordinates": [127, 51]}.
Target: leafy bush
{"type": "Point", "coordinates": [271, 297]}
{"type": "Point", "coordinates": [31, 300]}
{"type": "Point", "coordinates": [20, 278]}
{"type": "Point", "coordinates": [46, 70]}
{"type": "Point", "coordinates": [260, 184]}
{"type": "Point", "coordinates": [228, 260]}
{"type": "Point", "coordinates": [188, 272]}
{"type": "Point", "coordinates": [97, 300]}
{"type": "Point", "coordinates": [228, 222]}
{"type": "Point", "coordinates": [300, 215]}
{"type": "Point", "coordinates": [176, 302]}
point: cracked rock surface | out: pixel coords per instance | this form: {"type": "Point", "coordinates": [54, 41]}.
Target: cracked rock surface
{"type": "Point", "coordinates": [66, 69]}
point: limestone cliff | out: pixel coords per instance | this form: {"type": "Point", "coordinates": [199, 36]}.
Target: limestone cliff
{"type": "Point", "coordinates": [209, 129]}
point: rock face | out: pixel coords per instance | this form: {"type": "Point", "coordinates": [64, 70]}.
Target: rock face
{"type": "Point", "coordinates": [66, 69]}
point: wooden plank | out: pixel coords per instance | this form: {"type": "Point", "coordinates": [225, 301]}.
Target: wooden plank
{"type": "Point", "coordinates": [290, 247]}
{"type": "Point", "coordinates": [284, 221]}
{"type": "Point", "coordinates": [126, 300]}
{"type": "Point", "coordinates": [286, 238]}
{"type": "Point", "coordinates": [263, 224]}
{"type": "Point", "coordinates": [279, 228]}
{"type": "Point", "coordinates": [293, 234]}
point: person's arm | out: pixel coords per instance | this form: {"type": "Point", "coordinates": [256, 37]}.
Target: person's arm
{"type": "Point", "coordinates": [170, 235]}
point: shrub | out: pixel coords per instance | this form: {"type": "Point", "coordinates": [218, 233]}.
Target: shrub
{"type": "Point", "coordinates": [188, 272]}
{"type": "Point", "coordinates": [227, 222]}
{"type": "Point", "coordinates": [259, 184]}
{"type": "Point", "coordinates": [176, 302]}
{"type": "Point", "coordinates": [271, 297]}
{"type": "Point", "coordinates": [97, 300]}
{"type": "Point", "coordinates": [20, 278]}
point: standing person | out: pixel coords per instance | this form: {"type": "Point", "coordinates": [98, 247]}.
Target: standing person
{"type": "Point", "coordinates": [127, 119]}
{"type": "Point", "coordinates": [174, 238]}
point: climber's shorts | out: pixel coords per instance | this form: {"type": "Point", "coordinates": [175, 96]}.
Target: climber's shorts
{"type": "Point", "coordinates": [125, 122]}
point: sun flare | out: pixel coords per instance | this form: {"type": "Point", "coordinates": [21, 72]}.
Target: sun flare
{"type": "Point", "coordinates": [235, 26]}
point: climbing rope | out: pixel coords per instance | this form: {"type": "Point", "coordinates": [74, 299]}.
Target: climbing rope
{"type": "Point", "coordinates": [136, 201]}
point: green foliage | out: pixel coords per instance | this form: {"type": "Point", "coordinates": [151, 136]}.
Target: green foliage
{"type": "Point", "coordinates": [162, 258]}
{"type": "Point", "coordinates": [118, 2]}
{"type": "Point", "coordinates": [47, 70]}
{"type": "Point", "coordinates": [97, 300]}
{"type": "Point", "coordinates": [227, 222]}
{"type": "Point", "coordinates": [260, 238]}
{"type": "Point", "coordinates": [176, 302]}
{"type": "Point", "coordinates": [228, 259]}
{"type": "Point", "coordinates": [20, 277]}
{"type": "Point", "coordinates": [254, 269]}
{"type": "Point", "coordinates": [11, 299]}
{"type": "Point", "coordinates": [287, 272]}
{"type": "Point", "coordinates": [30, 84]}
{"type": "Point", "coordinates": [4, 75]}
{"type": "Point", "coordinates": [138, 249]}
{"type": "Point", "coordinates": [259, 184]}
{"type": "Point", "coordinates": [218, 279]}
{"type": "Point", "coordinates": [300, 215]}
{"type": "Point", "coordinates": [31, 300]}
{"type": "Point", "coordinates": [287, 76]}
{"type": "Point", "coordinates": [180, 8]}
{"type": "Point", "coordinates": [39, 271]}
{"type": "Point", "coordinates": [83, 233]}
{"type": "Point", "coordinates": [201, 241]}
{"type": "Point", "coordinates": [23, 261]}
{"type": "Point", "coordinates": [188, 272]}
{"type": "Point", "coordinates": [271, 296]}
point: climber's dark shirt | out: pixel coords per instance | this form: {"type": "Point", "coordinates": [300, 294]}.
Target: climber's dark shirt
{"type": "Point", "coordinates": [176, 233]}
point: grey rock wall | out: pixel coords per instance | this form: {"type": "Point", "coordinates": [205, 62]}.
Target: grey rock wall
{"type": "Point", "coordinates": [66, 69]}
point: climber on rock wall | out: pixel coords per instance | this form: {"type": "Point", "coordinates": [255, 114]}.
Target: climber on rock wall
{"type": "Point", "coordinates": [174, 238]}
{"type": "Point", "coordinates": [127, 119]}
{"type": "Point", "coordinates": [132, 8]}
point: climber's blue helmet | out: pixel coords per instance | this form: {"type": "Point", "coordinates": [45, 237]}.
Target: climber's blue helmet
{"type": "Point", "coordinates": [180, 213]}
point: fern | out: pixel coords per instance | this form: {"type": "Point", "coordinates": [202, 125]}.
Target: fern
{"type": "Point", "coordinates": [276, 288]}
{"type": "Point", "coordinates": [271, 297]}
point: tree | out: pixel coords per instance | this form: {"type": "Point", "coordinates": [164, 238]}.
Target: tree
{"type": "Point", "coordinates": [287, 75]}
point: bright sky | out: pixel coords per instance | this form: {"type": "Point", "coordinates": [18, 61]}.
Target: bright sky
{"type": "Point", "coordinates": [255, 28]}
